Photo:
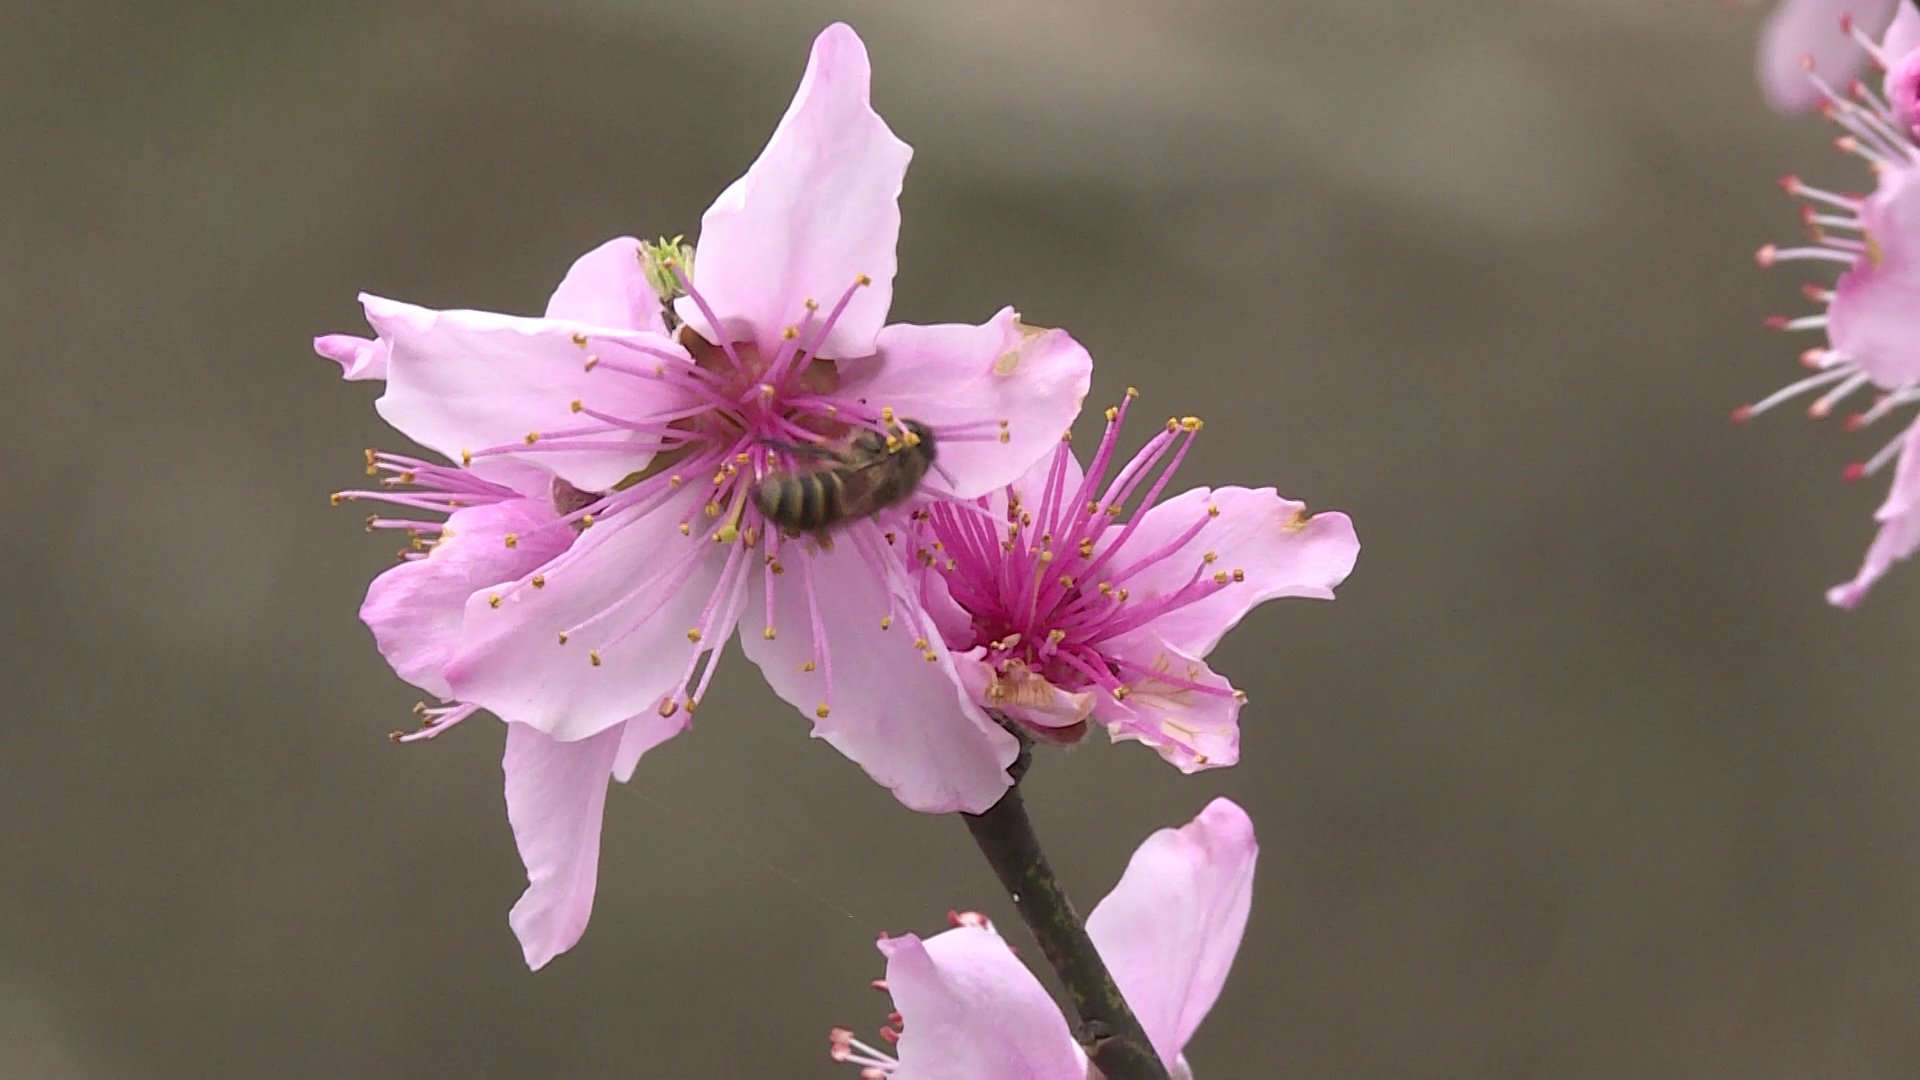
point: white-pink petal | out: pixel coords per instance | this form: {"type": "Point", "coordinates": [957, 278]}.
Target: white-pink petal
{"type": "Point", "coordinates": [461, 381]}
{"type": "Point", "coordinates": [556, 797]}
{"type": "Point", "coordinates": [1193, 729]}
{"type": "Point", "coordinates": [905, 720]}
{"type": "Point", "coordinates": [1899, 519]}
{"type": "Point", "coordinates": [1169, 930]}
{"type": "Point", "coordinates": [629, 590]}
{"type": "Point", "coordinates": [971, 1010]}
{"type": "Point", "coordinates": [414, 609]}
{"type": "Point", "coordinates": [360, 359]}
{"type": "Point", "coordinates": [817, 210]}
{"type": "Point", "coordinates": [608, 287]}
{"type": "Point", "coordinates": [961, 378]}
{"type": "Point", "coordinates": [1276, 547]}
{"type": "Point", "coordinates": [1874, 319]}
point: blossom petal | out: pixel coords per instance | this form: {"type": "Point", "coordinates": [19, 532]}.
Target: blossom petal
{"type": "Point", "coordinates": [607, 287]}
{"type": "Point", "coordinates": [359, 359]}
{"type": "Point", "coordinates": [415, 608]}
{"type": "Point", "coordinates": [1028, 698]}
{"type": "Point", "coordinates": [1279, 550]}
{"type": "Point", "coordinates": [1899, 519]}
{"type": "Point", "coordinates": [954, 377]}
{"type": "Point", "coordinates": [641, 734]}
{"type": "Point", "coordinates": [1803, 28]}
{"type": "Point", "coordinates": [467, 380]}
{"type": "Point", "coordinates": [1193, 723]}
{"type": "Point", "coordinates": [818, 209]}
{"type": "Point", "coordinates": [556, 796]}
{"type": "Point", "coordinates": [1874, 318]}
{"type": "Point", "coordinates": [1170, 929]}
{"type": "Point", "coordinates": [1903, 33]}
{"type": "Point", "coordinates": [628, 591]}
{"type": "Point", "coordinates": [969, 1009]}
{"type": "Point", "coordinates": [906, 721]}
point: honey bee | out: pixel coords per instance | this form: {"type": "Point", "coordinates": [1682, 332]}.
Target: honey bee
{"type": "Point", "coordinates": [872, 472]}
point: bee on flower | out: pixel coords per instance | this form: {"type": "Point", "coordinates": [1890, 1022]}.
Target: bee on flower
{"type": "Point", "coordinates": [607, 470]}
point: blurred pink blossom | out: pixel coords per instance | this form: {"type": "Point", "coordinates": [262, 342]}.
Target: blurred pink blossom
{"type": "Point", "coordinates": [587, 602]}
{"type": "Point", "coordinates": [1803, 31]}
{"type": "Point", "coordinates": [968, 1008]}
{"type": "Point", "coordinates": [1872, 312]}
{"type": "Point", "coordinates": [1060, 612]}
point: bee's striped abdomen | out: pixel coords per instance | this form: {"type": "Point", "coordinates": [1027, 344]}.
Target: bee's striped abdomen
{"type": "Point", "coordinates": [805, 501]}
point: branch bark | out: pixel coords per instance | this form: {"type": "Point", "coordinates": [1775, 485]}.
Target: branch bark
{"type": "Point", "coordinates": [1109, 1031]}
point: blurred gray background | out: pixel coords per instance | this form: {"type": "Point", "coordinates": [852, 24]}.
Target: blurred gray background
{"type": "Point", "coordinates": [1579, 777]}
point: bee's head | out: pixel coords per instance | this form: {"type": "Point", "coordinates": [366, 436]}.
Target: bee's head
{"type": "Point", "coordinates": [922, 436]}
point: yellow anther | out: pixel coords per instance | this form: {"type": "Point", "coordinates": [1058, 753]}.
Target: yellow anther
{"type": "Point", "coordinates": [336, 498]}
{"type": "Point", "coordinates": [920, 643]}
{"type": "Point", "coordinates": [1209, 557]}
{"type": "Point", "coordinates": [811, 304]}
{"type": "Point", "coordinates": [930, 656]}
{"type": "Point", "coordinates": [1133, 391]}
{"type": "Point", "coordinates": [806, 665]}
{"type": "Point", "coordinates": [713, 509]}
{"type": "Point", "coordinates": [790, 333]}
{"type": "Point", "coordinates": [686, 529]}
{"type": "Point", "coordinates": [1086, 548]}
{"type": "Point", "coordinates": [1121, 595]}
{"type": "Point", "coordinates": [742, 458]}
{"type": "Point", "coordinates": [886, 622]}
{"type": "Point", "coordinates": [692, 704]}
{"type": "Point", "coordinates": [1240, 696]}
{"type": "Point", "coordinates": [693, 635]}
{"type": "Point", "coordinates": [1066, 581]}
{"type": "Point", "coordinates": [1120, 692]}
{"type": "Point", "coordinates": [532, 437]}
{"type": "Point", "coordinates": [1173, 424]}
{"type": "Point", "coordinates": [1046, 555]}
{"type": "Point", "coordinates": [592, 362]}
{"type": "Point", "coordinates": [886, 414]}
{"type": "Point", "coordinates": [576, 405]}
{"type": "Point", "coordinates": [668, 706]}
{"type": "Point", "coordinates": [539, 581]}
{"type": "Point", "coordinates": [863, 279]}
{"type": "Point", "coordinates": [951, 564]}
{"type": "Point", "coordinates": [1112, 414]}
{"type": "Point", "coordinates": [776, 567]}
{"type": "Point", "coordinates": [1004, 437]}
{"type": "Point", "coordinates": [594, 657]}
{"type": "Point", "coordinates": [1239, 574]}
{"type": "Point", "coordinates": [821, 710]}
{"type": "Point", "coordinates": [1055, 637]}
{"type": "Point", "coordinates": [466, 457]}
{"type": "Point", "coordinates": [911, 438]}
{"type": "Point", "coordinates": [1106, 589]}
{"type": "Point", "coordinates": [371, 518]}
{"type": "Point", "coordinates": [512, 540]}
{"type": "Point", "coordinates": [768, 633]}
{"type": "Point", "coordinates": [1113, 510]}
{"type": "Point", "coordinates": [1220, 578]}
{"type": "Point", "coordinates": [563, 637]}
{"type": "Point", "coordinates": [674, 481]}
{"type": "Point", "coordinates": [1191, 423]}
{"type": "Point", "coordinates": [1212, 510]}
{"type": "Point", "coordinates": [580, 340]}
{"type": "Point", "coordinates": [893, 444]}
{"type": "Point", "coordinates": [586, 521]}
{"type": "Point", "coordinates": [493, 601]}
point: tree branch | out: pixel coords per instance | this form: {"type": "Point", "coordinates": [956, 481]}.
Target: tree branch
{"type": "Point", "coordinates": [1112, 1036]}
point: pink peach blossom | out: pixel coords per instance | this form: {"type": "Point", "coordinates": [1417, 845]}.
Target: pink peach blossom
{"type": "Point", "coordinates": [616, 442]}
{"type": "Point", "coordinates": [1871, 319]}
{"type": "Point", "coordinates": [968, 1008]}
{"type": "Point", "coordinates": [1060, 612]}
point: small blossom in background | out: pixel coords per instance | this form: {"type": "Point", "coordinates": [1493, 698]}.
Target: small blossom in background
{"type": "Point", "coordinates": [1069, 597]}
{"type": "Point", "coordinates": [1872, 316]}
{"type": "Point", "coordinates": [966, 1007]}
{"type": "Point", "coordinates": [1797, 30]}
{"type": "Point", "coordinates": [604, 543]}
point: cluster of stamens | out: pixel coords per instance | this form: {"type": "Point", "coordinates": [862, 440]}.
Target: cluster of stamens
{"type": "Point", "coordinates": [1837, 234]}
{"type": "Point", "coordinates": [1047, 584]}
